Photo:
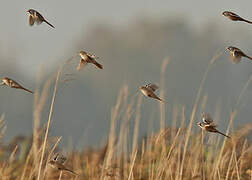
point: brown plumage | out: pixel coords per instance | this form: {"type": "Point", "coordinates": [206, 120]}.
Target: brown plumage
{"type": "Point", "coordinates": [88, 58]}
{"type": "Point", "coordinates": [35, 16]}
{"type": "Point", "coordinates": [60, 167]}
{"type": "Point", "coordinates": [236, 54]}
{"type": "Point", "coordinates": [234, 17]}
{"type": "Point", "coordinates": [210, 128]}
{"type": "Point", "coordinates": [148, 90]}
{"type": "Point", "coordinates": [58, 163]}
{"type": "Point", "coordinates": [13, 84]}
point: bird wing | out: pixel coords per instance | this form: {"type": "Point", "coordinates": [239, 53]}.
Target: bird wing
{"type": "Point", "coordinates": [85, 56]}
{"type": "Point", "coordinates": [61, 159]}
{"type": "Point", "coordinates": [211, 125]}
{"type": "Point", "coordinates": [31, 20]}
{"type": "Point", "coordinates": [235, 15]}
{"type": "Point", "coordinates": [39, 18]}
{"type": "Point", "coordinates": [81, 65]}
{"type": "Point", "coordinates": [152, 87]}
{"type": "Point", "coordinates": [206, 118]}
{"type": "Point", "coordinates": [235, 58]}
{"type": "Point", "coordinates": [92, 56]}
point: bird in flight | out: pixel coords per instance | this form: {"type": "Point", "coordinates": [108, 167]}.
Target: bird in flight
{"type": "Point", "coordinates": [234, 17]}
{"type": "Point", "coordinates": [12, 84]}
{"type": "Point", "coordinates": [35, 16]}
{"type": "Point", "coordinates": [210, 128]}
{"type": "Point", "coordinates": [149, 89]}
{"type": "Point", "coordinates": [236, 54]}
{"type": "Point", "coordinates": [58, 161]}
{"type": "Point", "coordinates": [88, 58]}
{"type": "Point", "coordinates": [208, 124]}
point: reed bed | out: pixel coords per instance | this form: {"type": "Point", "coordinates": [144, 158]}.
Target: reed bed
{"type": "Point", "coordinates": [177, 152]}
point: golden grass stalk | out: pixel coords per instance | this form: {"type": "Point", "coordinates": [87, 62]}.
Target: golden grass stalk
{"type": "Point", "coordinates": [132, 166]}
{"type": "Point", "coordinates": [48, 123]}
{"type": "Point", "coordinates": [195, 106]}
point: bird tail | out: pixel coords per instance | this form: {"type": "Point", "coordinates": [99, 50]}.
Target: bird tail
{"type": "Point", "coordinates": [26, 90]}
{"type": "Point", "coordinates": [98, 65]}
{"type": "Point", "coordinates": [248, 57]}
{"type": "Point", "coordinates": [71, 172]}
{"type": "Point", "coordinates": [247, 21]}
{"type": "Point", "coordinates": [223, 134]}
{"type": "Point", "coordinates": [48, 23]}
{"type": "Point", "coordinates": [163, 101]}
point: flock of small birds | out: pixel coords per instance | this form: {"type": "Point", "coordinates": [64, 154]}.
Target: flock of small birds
{"type": "Point", "coordinates": [147, 90]}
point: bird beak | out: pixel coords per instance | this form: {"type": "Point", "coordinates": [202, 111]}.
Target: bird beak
{"type": "Point", "coordinates": [199, 124]}
{"type": "Point", "coordinates": [2, 84]}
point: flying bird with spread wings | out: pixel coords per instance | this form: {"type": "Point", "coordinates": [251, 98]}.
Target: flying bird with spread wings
{"type": "Point", "coordinates": [208, 124]}
{"type": "Point", "coordinates": [234, 17]}
{"type": "Point", "coordinates": [236, 54]}
{"type": "Point", "coordinates": [58, 161]}
{"type": "Point", "coordinates": [13, 84]}
{"type": "Point", "coordinates": [149, 89]}
{"type": "Point", "coordinates": [88, 58]}
{"type": "Point", "coordinates": [36, 17]}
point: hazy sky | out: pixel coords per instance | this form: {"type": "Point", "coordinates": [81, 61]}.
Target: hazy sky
{"type": "Point", "coordinates": [41, 44]}
{"type": "Point", "coordinates": [28, 47]}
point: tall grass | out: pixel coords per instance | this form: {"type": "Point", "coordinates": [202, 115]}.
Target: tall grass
{"type": "Point", "coordinates": [175, 152]}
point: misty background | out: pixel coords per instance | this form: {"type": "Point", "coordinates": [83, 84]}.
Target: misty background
{"type": "Point", "coordinates": [132, 38]}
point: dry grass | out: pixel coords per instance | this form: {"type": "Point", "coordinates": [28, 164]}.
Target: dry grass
{"type": "Point", "coordinates": [174, 153]}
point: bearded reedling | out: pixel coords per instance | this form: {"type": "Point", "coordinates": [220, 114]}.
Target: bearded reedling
{"type": "Point", "coordinates": [234, 17]}
{"type": "Point", "coordinates": [13, 84]}
{"type": "Point", "coordinates": [236, 54]}
{"type": "Point", "coordinates": [35, 16]}
{"type": "Point", "coordinates": [58, 163]}
{"type": "Point", "coordinates": [88, 58]}
{"type": "Point", "coordinates": [210, 128]}
{"type": "Point", "coordinates": [149, 89]}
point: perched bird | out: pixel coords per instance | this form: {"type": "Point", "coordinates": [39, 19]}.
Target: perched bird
{"type": "Point", "coordinates": [234, 17]}
{"type": "Point", "coordinates": [149, 89]}
{"type": "Point", "coordinates": [35, 16]}
{"type": "Point", "coordinates": [12, 84]}
{"type": "Point", "coordinates": [236, 54]}
{"type": "Point", "coordinates": [206, 118]}
{"type": "Point", "coordinates": [58, 163]}
{"type": "Point", "coordinates": [88, 58]}
{"type": "Point", "coordinates": [210, 128]}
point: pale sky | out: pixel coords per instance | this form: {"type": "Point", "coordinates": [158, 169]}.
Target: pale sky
{"type": "Point", "coordinates": [28, 47]}
{"type": "Point", "coordinates": [73, 17]}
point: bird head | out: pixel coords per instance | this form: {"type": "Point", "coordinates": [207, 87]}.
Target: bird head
{"type": "Point", "coordinates": [5, 81]}
{"type": "Point", "coordinates": [30, 11]}
{"type": "Point", "coordinates": [230, 48]}
{"type": "Point", "coordinates": [226, 13]}
{"type": "Point", "coordinates": [81, 53]}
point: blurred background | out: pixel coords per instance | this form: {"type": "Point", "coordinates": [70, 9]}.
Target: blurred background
{"type": "Point", "coordinates": [132, 39]}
